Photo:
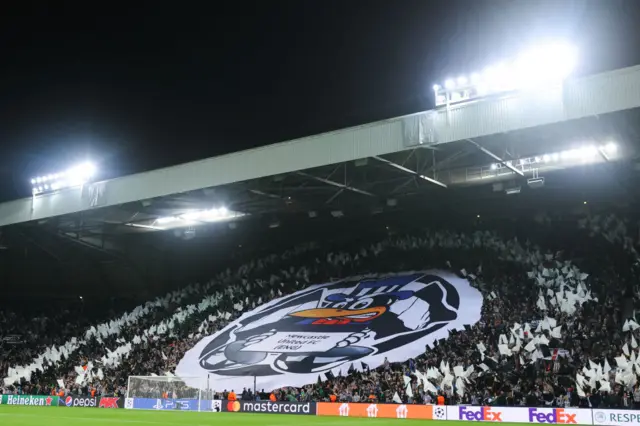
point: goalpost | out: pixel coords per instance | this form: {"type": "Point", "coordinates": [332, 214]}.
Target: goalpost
{"type": "Point", "coordinates": [170, 393]}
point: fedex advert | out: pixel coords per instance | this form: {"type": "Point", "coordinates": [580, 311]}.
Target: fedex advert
{"type": "Point", "coordinates": [565, 416]}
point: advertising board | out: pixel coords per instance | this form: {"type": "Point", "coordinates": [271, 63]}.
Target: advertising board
{"type": "Point", "coordinates": [386, 411]}
{"type": "Point", "coordinates": [172, 404]}
{"type": "Point", "coordinates": [279, 407]}
{"type": "Point", "coordinates": [539, 415]}
{"type": "Point", "coordinates": [30, 400]}
{"type": "Point", "coordinates": [616, 417]}
{"type": "Point", "coordinates": [110, 402]}
{"type": "Point", "coordinates": [77, 401]}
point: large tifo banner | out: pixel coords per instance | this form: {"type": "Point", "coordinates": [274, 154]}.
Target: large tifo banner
{"type": "Point", "coordinates": [330, 327]}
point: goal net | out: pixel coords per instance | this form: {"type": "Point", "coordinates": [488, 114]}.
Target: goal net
{"type": "Point", "coordinates": [170, 393]}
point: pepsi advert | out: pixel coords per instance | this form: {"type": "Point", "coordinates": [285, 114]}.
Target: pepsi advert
{"type": "Point", "coordinates": [91, 402]}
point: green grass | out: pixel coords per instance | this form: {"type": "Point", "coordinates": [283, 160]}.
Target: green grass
{"type": "Point", "coordinates": [63, 416]}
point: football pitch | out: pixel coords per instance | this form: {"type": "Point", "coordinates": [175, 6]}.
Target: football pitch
{"type": "Point", "coordinates": [63, 416]}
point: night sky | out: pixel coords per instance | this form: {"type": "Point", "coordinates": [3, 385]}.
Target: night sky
{"type": "Point", "coordinates": [140, 85]}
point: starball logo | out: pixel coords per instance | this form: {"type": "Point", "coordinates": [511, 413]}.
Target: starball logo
{"type": "Point", "coordinates": [553, 415]}
{"type": "Point", "coordinates": [486, 414]}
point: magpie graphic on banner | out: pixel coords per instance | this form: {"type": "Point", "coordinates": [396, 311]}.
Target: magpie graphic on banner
{"type": "Point", "coordinates": [326, 328]}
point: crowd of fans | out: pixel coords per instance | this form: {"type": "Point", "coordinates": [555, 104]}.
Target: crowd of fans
{"type": "Point", "coordinates": [498, 264]}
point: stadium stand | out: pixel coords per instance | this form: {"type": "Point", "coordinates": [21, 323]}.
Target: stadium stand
{"type": "Point", "coordinates": [582, 273]}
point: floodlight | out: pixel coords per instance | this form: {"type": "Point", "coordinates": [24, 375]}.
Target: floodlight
{"type": "Point", "coordinates": [167, 219]}
{"type": "Point", "coordinates": [75, 176]}
{"type": "Point", "coordinates": [495, 77]}
{"type": "Point", "coordinates": [562, 59]}
{"type": "Point", "coordinates": [192, 216]}
{"type": "Point", "coordinates": [217, 214]}
{"type": "Point", "coordinates": [546, 158]}
{"type": "Point", "coordinates": [436, 87]}
{"type": "Point", "coordinates": [494, 166]}
{"type": "Point", "coordinates": [543, 65]}
{"type": "Point", "coordinates": [588, 152]}
{"type": "Point", "coordinates": [482, 89]}
{"type": "Point", "coordinates": [211, 215]}
{"type": "Point", "coordinates": [611, 148]}
{"type": "Point", "coordinates": [208, 214]}
{"type": "Point", "coordinates": [81, 172]}
{"type": "Point", "coordinates": [571, 153]}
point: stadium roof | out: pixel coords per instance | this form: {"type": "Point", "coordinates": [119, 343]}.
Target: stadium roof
{"type": "Point", "coordinates": [457, 162]}
{"type": "Point", "coordinates": [500, 140]}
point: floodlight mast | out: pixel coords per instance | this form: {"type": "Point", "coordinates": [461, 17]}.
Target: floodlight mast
{"type": "Point", "coordinates": [543, 66]}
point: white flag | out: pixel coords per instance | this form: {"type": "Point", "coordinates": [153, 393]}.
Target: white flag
{"type": "Point", "coordinates": [407, 386]}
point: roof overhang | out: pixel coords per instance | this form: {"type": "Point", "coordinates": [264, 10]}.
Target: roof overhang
{"type": "Point", "coordinates": [579, 98]}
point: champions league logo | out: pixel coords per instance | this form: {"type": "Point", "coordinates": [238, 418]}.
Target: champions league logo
{"type": "Point", "coordinates": [290, 340]}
